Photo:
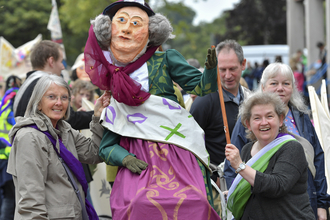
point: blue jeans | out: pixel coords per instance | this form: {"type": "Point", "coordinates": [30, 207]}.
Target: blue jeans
{"type": "Point", "coordinates": [8, 201]}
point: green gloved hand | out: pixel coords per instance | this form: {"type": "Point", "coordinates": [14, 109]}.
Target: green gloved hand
{"type": "Point", "coordinates": [4, 153]}
{"type": "Point", "coordinates": [211, 60]}
{"type": "Point", "coordinates": [133, 164]}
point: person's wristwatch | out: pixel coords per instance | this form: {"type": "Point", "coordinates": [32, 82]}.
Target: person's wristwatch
{"type": "Point", "coordinates": [240, 167]}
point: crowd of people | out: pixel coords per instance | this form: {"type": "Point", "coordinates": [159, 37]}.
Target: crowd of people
{"type": "Point", "coordinates": [252, 74]}
{"type": "Point", "coordinates": [158, 123]}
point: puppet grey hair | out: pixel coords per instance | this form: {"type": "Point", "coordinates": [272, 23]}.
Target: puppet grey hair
{"type": "Point", "coordinates": [102, 29]}
{"type": "Point", "coordinates": [160, 30]}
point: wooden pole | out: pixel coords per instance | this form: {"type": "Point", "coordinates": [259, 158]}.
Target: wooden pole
{"type": "Point", "coordinates": [223, 108]}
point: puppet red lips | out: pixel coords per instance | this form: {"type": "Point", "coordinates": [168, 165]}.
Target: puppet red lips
{"type": "Point", "coordinates": [123, 38]}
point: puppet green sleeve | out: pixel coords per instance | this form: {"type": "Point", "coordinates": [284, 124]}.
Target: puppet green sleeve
{"type": "Point", "coordinates": [110, 151]}
{"type": "Point", "coordinates": [189, 78]}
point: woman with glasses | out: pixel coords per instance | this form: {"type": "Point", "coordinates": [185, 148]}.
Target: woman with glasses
{"type": "Point", "coordinates": [46, 150]}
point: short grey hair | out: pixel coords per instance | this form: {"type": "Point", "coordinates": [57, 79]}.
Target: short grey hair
{"type": "Point", "coordinates": [160, 30]}
{"type": "Point", "coordinates": [272, 70]}
{"type": "Point", "coordinates": [231, 44]}
{"type": "Point", "coordinates": [39, 91]}
{"type": "Point", "coordinates": [261, 98]}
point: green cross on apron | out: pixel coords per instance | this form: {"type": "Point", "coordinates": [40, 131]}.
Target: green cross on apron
{"type": "Point", "coordinates": [173, 131]}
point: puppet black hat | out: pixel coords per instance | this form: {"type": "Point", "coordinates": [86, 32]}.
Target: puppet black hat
{"type": "Point", "coordinates": [112, 9]}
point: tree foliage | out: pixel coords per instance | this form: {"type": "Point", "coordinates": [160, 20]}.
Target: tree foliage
{"type": "Point", "coordinates": [75, 21]}
{"type": "Point", "coordinates": [250, 22]}
{"type": "Point", "coordinates": [257, 22]}
{"type": "Point", "coordinates": [22, 21]}
{"type": "Point", "coordinates": [76, 14]}
{"type": "Point", "coordinates": [191, 41]}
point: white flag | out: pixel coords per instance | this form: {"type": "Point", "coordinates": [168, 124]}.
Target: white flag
{"type": "Point", "coordinates": [54, 23]}
{"type": "Point", "coordinates": [54, 26]}
{"type": "Point", "coordinates": [322, 124]}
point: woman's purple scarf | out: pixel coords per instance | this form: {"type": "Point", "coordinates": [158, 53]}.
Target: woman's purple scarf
{"type": "Point", "coordinates": [76, 168]}
{"type": "Point", "coordinates": [110, 77]}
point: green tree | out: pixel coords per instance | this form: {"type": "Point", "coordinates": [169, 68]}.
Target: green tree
{"type": "Point", "coordinates": [22, 21]}
{"type": "Point", "coordinates": [76, 14]}
{"type": "Point", "coordinates": [177, 13]}
{"type": "Point", "coordinates": [75, 21]}
{"type": "Point", "coordinates": [257, 22]}
{"type": "Point", "coordinates": [191, 41]}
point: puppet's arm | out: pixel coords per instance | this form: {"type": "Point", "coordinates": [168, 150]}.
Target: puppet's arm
{"type": "Point", "coordinates": [110, 150]}
{"type": "Point", "coordinates": [188, 77]}
{"type": "Point", "coordinates": [211, 59]}
{"type": "Point", "coordinates": [114, 154]}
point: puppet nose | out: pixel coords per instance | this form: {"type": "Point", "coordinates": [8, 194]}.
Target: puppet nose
{"type": "Point", "coordinates": [126, 29]}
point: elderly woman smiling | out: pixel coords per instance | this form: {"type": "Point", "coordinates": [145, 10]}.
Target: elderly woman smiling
{"type": "Point", "coordinates": [278, 78]}
{"type": "Point", "coordinates": [271, 185]}
{"type": "Point", "coordinates": [44, 160]}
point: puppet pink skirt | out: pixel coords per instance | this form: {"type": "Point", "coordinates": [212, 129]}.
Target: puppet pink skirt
{"type": "Point", "coordinates": [172, 186]}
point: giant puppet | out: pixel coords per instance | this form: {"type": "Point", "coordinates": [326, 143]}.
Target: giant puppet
{"type": "Point", "coordinates": [159, 148]}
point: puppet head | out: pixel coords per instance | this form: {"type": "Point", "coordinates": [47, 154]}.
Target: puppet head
{"type": "Point", "coordinates": [128, 27]}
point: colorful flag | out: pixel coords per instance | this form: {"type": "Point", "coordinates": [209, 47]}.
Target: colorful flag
{"type": "Point", "coordinates": [15, 61]}
{"type": "Point", "coordinates": [23, 51]}
{"type": "Point", "coordinates": [7, 56]}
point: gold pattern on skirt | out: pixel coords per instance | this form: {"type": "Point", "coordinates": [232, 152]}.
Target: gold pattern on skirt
{"type": "Point", "coordinates": [183, 196]}
{"type": "Point", "coordinates": [165, 180]}
{"type": "Point", "coordinates": [158, 150]}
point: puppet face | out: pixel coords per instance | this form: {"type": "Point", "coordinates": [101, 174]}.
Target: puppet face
{"type": "Point", "coordinates": [129, 33]}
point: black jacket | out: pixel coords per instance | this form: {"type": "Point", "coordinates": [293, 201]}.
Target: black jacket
{"type": "Point", "coordinates": [280, 192]}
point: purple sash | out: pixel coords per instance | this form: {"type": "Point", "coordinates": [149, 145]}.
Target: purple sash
{"type": "Point", "coordinates": [76, 168]}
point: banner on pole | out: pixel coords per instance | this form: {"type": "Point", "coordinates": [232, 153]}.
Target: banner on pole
{"type": "Point", "coordinates": [54, 26]}
{"type": "Point", "coordinates": [321, 121]}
